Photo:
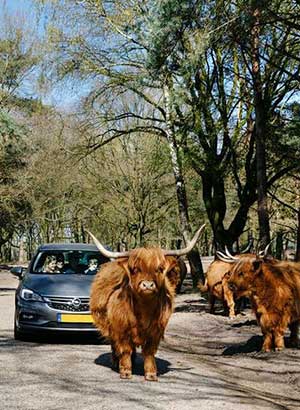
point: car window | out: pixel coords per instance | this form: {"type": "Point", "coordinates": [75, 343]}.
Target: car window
{"type": "Point", "coordinates": [67, 262]}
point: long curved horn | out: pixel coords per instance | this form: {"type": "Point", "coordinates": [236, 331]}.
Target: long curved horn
{"type": "Point", "coordinates": [225, 258]}
{"type": "Point", "coordinates": [229, 254]}
{"type": "Point", "coordinates": [248, 247]}
{"type": "Point", "coordinates": [106, 252]}
{"type": "Point", "coordinates": [191, 244]}
{"type": "Point", "coordinates": [265, 252]}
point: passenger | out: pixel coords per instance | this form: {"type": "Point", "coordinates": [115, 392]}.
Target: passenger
{"type": "Point", "coordinates": [93, 267]}
{"type": "Point", "coordinates": [60, 262]}
{"type": "Point", "coordinates": [73, 265]}
{"type": "Point", "coordinates": [50, 264]}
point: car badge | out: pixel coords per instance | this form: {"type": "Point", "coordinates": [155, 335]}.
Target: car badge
{"type": "Point", "coordinates": [76, 302]}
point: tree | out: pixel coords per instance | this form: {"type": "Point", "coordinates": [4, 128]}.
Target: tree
{"type": "Point", "coordinates": [193, 65]}
{"type": "Point", "coordinates": [18, 59]}
{"type": "Point", "coordinates": [80, 61]}
{"type": "Point", "coordinates": [134, 190]}
{"type": "Point", "coordinates": [287, 196]}
{"type": "Point", "coordinates": [13, 207]}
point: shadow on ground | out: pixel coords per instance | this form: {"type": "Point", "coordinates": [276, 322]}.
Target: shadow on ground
{"type": "Point", "coordinates": [200, 306]}
{"type": "Point", "coordinates": [254, 344]}
{"type": "Point", "coordinates": [11, 289]}
{"type": "Point", "coordinates": [71, 339]}
{"type": "Point", "coordinates": [163, 366]}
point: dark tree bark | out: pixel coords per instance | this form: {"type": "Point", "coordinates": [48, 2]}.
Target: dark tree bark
{"type": "Point", "coordinates": [260, 131]}
{"type": "Point", "coordinates": [279, 245]}
{"type": "Point", "coordinates": [297, 256]}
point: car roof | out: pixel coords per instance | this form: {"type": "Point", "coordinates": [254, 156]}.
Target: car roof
{"type": "Point", "coordinates": [68, 247]}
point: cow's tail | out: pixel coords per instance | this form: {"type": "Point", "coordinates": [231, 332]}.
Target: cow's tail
{"type": "Point", "coordinates": [203, 287]}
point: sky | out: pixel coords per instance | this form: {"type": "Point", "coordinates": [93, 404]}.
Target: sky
{"type": "Point", "coordinates": [19, 7]}
{"type": "Point", "coordinates": [62, 97]}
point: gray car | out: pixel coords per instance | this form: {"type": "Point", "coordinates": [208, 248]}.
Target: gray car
{"type": "Point", "coordinates": [53, 294]}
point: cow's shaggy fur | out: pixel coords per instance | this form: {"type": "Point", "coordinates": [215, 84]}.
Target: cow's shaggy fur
{"type": "Point", "coordinates": [274, 290]}
{"type": "Point", "coordinates": [131, 303]}
{"type": "Point", "coordinates": [217, 287]}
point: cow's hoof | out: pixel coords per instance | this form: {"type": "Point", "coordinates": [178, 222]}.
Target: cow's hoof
{"type": "Point", "coordinates": [151, 377]}
{"type": "Point", "coordinates": [126, 374]}
{"type": "Point", "coordinates": [279, 349]}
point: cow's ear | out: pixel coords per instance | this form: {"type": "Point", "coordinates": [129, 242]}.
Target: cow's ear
{"type": "Point", "coordinates": [171, 262]}
{"type": "Point", "coordinates": [257, 265]}
{"type": "Point", "coordinates": [172, 271]}
{"type": "Point", "coordinates": [124, 264]}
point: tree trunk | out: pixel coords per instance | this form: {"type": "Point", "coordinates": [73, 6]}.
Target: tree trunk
{"type": "Point", "coordinates": [194, 257]}
{"type": "Point", "coordinates": [260, 132]}
{"type": "Point", "coordinates": [279, 245]}
{"type": "Point", "coordinates": [297, 256]}
{"type": "Point", "coordinates": [22, 252]}
{"type": "Point", "coordinates": [215, 203]}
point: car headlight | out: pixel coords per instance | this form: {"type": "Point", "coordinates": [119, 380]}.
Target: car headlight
{"type": "Point", "coordinates": [30, 296]}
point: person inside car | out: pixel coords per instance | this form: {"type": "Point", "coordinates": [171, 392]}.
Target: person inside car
{"type": "Point", "coordinates": [50, 266]}
{"type": "Point", "coordinates": [60, 262]}
{"type": "Point", "coordinates": [93, 267]}
{"type": "Point", "coordinates": [73, 265]}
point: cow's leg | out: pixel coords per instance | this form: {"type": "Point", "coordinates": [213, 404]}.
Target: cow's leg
{"type": "Point", "coordinates": [278, 340]}
{"type": "Point", "coordinates": [125, 365]}
{"type": "Point", "coordinates": [228, 296]}
{"type": "Point", "coordinates": [212, 301]}
{"type": "Point", "coordinates": [266, 322]}
{"type": "Point", "coordinates": [150, 369]}
{"type": "Point", "coordinates": [114, 357]}
{"type": "Point", "coordinates": [124, 351]}
{"type": "Point", "coordinates": [273, 327]}
{"type": "Point", "coordinates": [282, 324]}
{"type": "Point", "coordinates": [294, 337]}
{"type": "Point", "coordinates": [268, 342]}
{"type": "Point", "coordinates": [267, 333]}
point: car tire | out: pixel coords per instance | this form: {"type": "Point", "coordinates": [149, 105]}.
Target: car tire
{"type": "Point", "coordinates": [19, 335]}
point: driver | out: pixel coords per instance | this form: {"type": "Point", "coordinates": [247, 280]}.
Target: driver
{"type": "Point", "coordinates": [50, 266]}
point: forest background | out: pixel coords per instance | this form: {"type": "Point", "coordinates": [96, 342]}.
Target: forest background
{"type": "Point", "coordinates": [142, 120]}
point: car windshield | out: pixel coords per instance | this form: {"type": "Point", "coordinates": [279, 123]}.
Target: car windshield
{"type": "Point", "coordinates": [67, 262]}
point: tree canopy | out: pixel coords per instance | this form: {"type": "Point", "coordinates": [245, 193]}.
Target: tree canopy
{"type": "Point", "coordinates": [183, 107]}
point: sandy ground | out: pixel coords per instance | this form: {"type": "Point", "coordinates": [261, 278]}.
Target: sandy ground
{"type": "Point", "coordinates": [232, 348]}
{"type": "Point", "coordinates": [214, 363]}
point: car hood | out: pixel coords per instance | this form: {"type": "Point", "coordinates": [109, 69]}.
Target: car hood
{"type": "Point", "coordinates": [59, 285]}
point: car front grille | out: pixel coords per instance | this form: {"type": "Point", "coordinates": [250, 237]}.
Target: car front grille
{"type": "Point", "coordinates": [68, 304]}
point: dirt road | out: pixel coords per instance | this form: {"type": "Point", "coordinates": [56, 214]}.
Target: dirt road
{"type": "Point", "coordinates": [205, 362]}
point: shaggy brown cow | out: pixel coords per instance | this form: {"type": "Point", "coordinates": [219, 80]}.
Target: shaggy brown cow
{"type": "Point", "coordinates": [132, 300]}
{"type": "Point", "coordinates": [216, 282]}
{"type": "Point", "coordinates": [217, 287]}
{"type": "Point", "coordinates": [274, 290]}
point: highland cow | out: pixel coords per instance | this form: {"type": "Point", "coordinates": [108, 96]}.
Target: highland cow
{"type": "Point", "coordinates": [132, 301]}
{"type": "Point", "coordinates": [274, 290]}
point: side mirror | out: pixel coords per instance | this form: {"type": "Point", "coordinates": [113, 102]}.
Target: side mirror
{"type": "Point", "coordinates": [18, 271]}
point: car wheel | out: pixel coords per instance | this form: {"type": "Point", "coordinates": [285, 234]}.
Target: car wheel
{"type": "Point", "coordinates": [19, 335]}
